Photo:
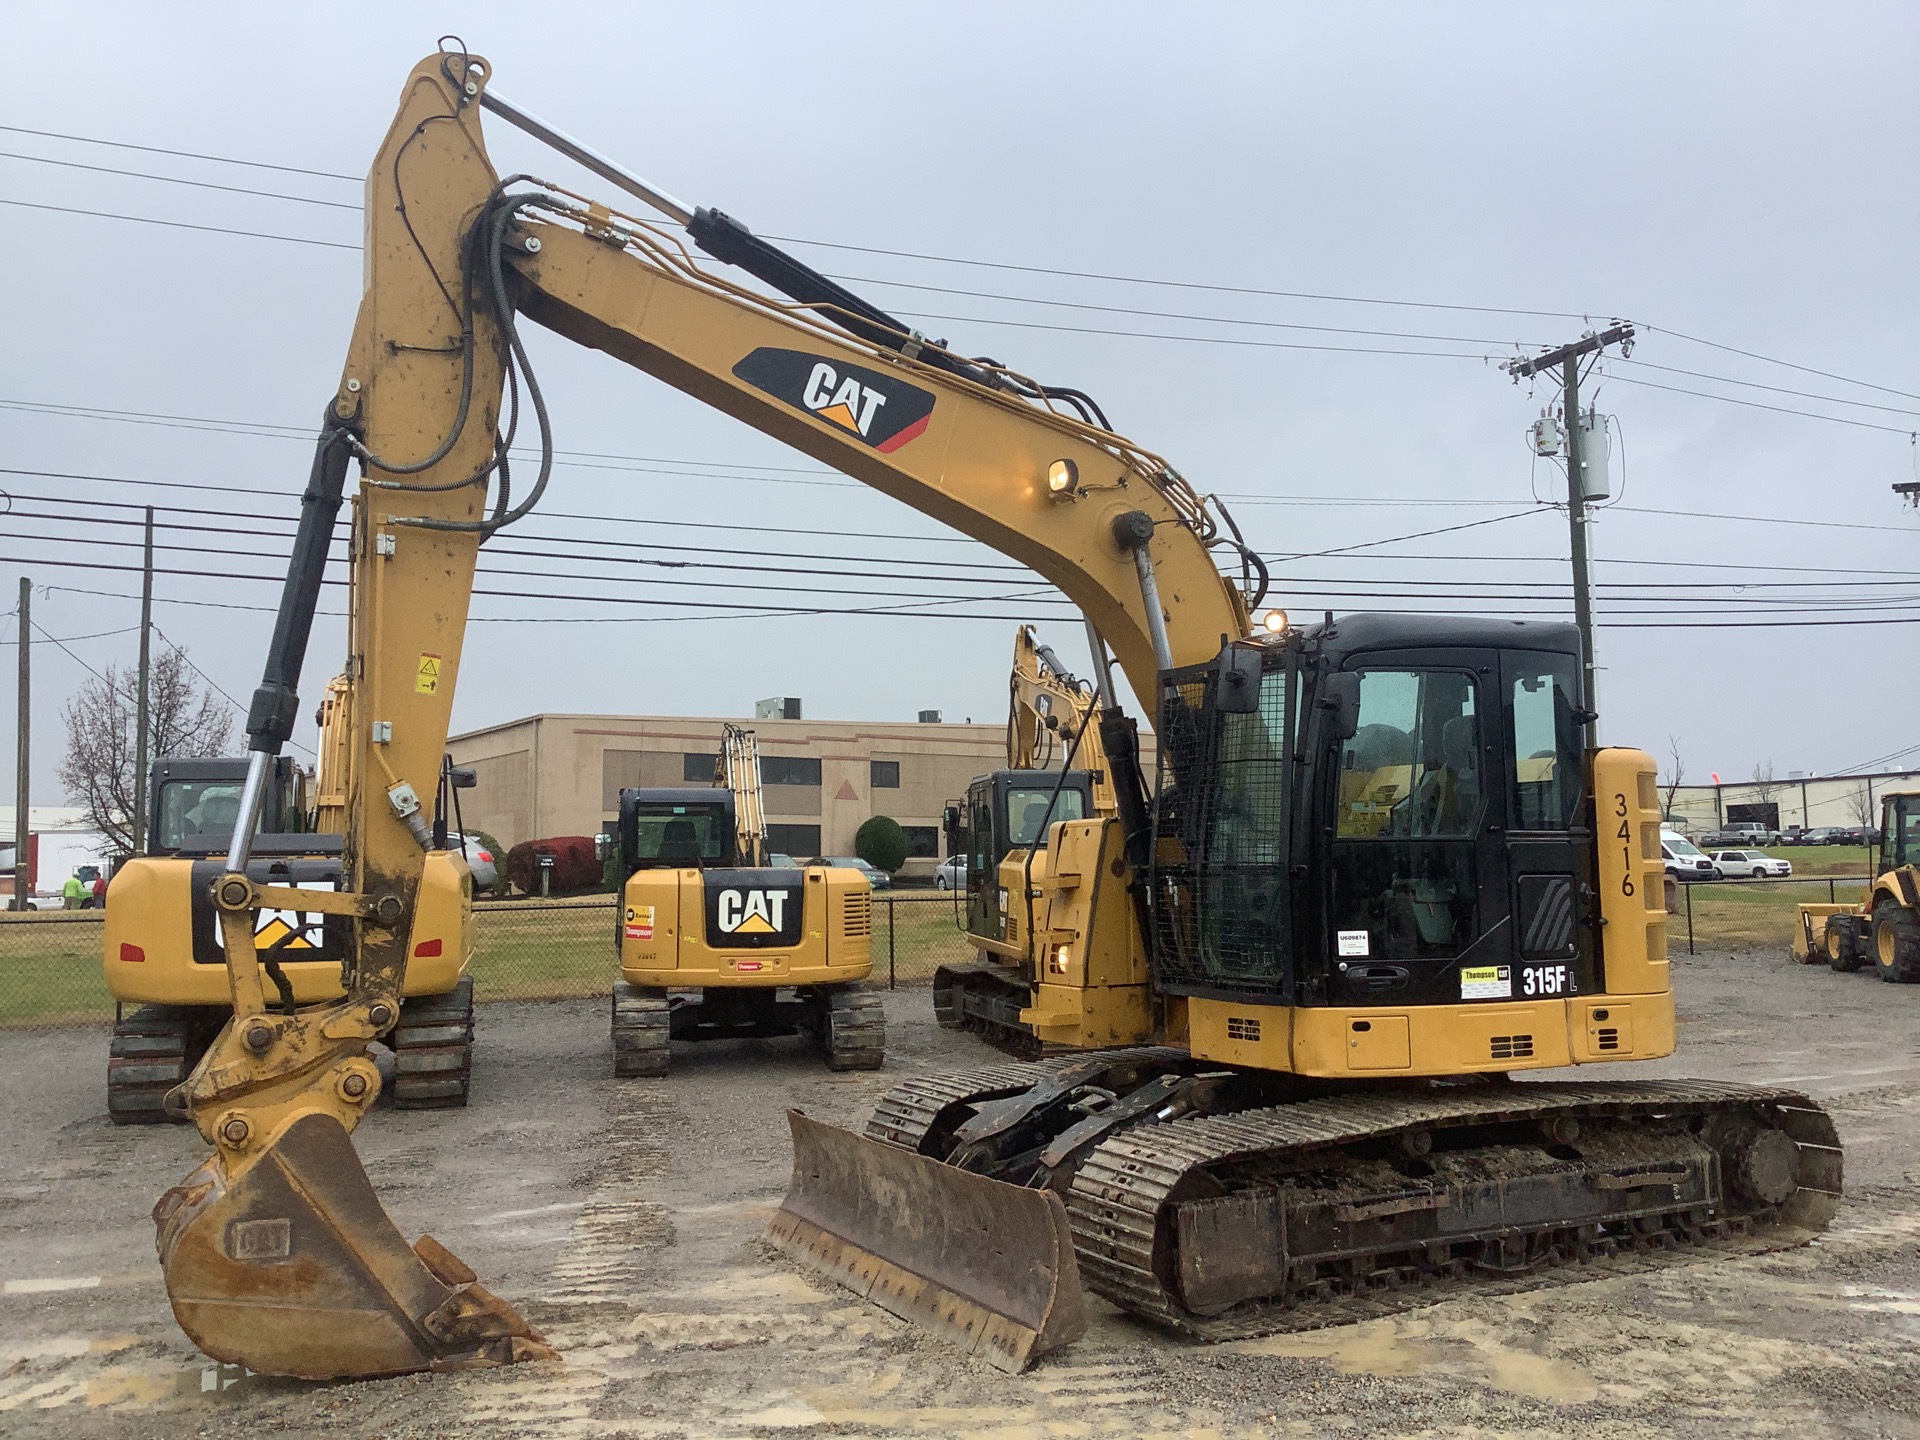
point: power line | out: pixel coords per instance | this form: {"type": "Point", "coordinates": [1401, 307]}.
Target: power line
{"type": "Point", "coordinates": [1757, 405]}
{"type": "Point", "coordinates": [1015, 268]}
{"type": "Point", "coordinates": [1756, 385]}
{"type": "Point", "coordinates": [182, 154]}
{"type": "Point", "coordinates": [176, 180]}
{"type": "Point", "coordinates": [1788, 364]}
{"type": "Point", "coordinates": [179, 224]}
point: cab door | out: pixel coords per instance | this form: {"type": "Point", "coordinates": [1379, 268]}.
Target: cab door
{"type": "Point", "coordinates": [1417, 908]}
{"type": "Point", "coordinates": [1549, 835]}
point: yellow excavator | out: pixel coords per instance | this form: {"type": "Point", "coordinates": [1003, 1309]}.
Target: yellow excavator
{"type": "Point", "coordinates": [169, 980]}
{"type": "Point", "coordinates": [1056, 770]}
{"type": "Point", "coordinates": [717, 944]}
{"type": "Point", "coordinates": [1332, 920]}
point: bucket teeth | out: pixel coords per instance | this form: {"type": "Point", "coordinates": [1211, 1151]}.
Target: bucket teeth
{"type": "Point", "coordinates": [291, 1267]}
{"type": "Point", "coordinates": [986, 1264]}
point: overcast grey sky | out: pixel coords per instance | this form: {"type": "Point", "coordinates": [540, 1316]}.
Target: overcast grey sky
{"type": "Point", "coordinates": [1741, 173]}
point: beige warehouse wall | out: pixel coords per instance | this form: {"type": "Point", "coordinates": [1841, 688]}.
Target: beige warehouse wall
{"type": "Point", "coordinates": [562, 774]}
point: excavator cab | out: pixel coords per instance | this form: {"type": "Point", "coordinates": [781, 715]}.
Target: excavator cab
{"type": "Point", "coordinates": [1384, 813]}
{"type": "Point", "coordinates": [673, 828]}
{"type": "Point", "coordinates": [1005, 812]}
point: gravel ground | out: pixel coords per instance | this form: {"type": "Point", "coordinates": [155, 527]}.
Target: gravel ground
{"type": "Point", "coordinates": [625, 1220]}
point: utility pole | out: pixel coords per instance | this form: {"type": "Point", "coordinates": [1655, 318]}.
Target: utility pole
{"type": "Point", "coordinates": [1567, 358]}
{"type": "Point", "coordinates": [140, 722]}
{"type": "Point", "coordinates": [20, 885]}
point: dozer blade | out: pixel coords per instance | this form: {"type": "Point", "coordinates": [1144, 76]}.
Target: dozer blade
{"type": "Point", "coordinates": [984, 1263]}
{"type": "Point", "coordinates": [293, 1268]}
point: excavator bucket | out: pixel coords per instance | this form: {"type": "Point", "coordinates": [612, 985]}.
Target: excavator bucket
{"type": "Point", "coordinates": [984, 1263]}
{"type": "Point", "coordinates": [291, 1267]}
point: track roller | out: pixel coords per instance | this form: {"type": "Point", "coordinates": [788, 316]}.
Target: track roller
{"type": "Point", "coordinates": [153, 1049]}
{"type": "Point", "coordinates": [640, 1030]}
{"type": "Point", "coordinates": [853, 1029]}
{"type": "Point", "coordinates": [433, 1050]}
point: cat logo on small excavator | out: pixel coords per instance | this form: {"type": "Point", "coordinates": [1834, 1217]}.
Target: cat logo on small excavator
{"type": "Point", "coordinates": [752, 912]}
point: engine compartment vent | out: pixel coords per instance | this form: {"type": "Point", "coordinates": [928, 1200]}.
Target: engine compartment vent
{"type": "Point", "coordinates": [1607, 1038]}
{"type": "Point", "coordinates": [857, 914]}
{"type": "Point", "coordinates": [1512, 1047]}
{"type": "Point", "coordinates": [1242, 1027]}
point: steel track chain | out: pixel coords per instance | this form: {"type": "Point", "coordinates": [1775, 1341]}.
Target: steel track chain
{"type": "Point", "coordinates": [1117, 1201]}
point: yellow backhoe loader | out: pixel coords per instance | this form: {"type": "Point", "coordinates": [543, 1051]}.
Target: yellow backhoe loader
{"type": "Point", "coordinates": [1883, 929]}
{"type": "Point", "coordinates": [716, 944]}
{"type": "Point", "coordinates": [1332, 919]}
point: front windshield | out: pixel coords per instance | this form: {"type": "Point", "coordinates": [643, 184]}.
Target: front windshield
{"type": "Point", "coordinates": [1027, 816]}
{"type": "Point", "coordinates": [679, 835]}
{"type": "Point", "coordinates": [190, 808]}
{"type": "Point", "coordinates": [1680, 845]}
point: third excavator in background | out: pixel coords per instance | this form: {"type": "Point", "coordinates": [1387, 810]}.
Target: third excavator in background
{"type": "Point", "coordinates": [1372, 873]}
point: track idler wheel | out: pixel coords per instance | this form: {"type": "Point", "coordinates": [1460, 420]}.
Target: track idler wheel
{"type": "Point", "coordinates": [285, 1262]}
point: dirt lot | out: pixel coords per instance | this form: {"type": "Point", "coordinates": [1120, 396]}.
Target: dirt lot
{"type": "Point", "coordinates": [624, 1220]}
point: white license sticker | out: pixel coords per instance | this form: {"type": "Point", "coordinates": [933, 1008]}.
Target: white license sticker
{"type": "Point", "coordinates": [1486, 982]}
{"type": "Point", "coordinates": [1354, 942]}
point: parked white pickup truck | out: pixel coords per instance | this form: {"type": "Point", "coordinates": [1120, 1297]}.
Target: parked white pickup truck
{"type": "Point", "coordinates": [1749, 865]}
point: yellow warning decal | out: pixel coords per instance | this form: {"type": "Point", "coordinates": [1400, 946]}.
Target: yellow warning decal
{"type": "Point", "coordinates": [426, 680]}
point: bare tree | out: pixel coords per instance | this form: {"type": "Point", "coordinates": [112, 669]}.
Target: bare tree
{"type": "Point", "coordinates": [183, 719]}
{"type": "Point", "coordinates": [1675, 775]}
{"type": "Point", "coordinates": [1765, 787]}
{"type": "Point", "coordinates": [1860, 807]}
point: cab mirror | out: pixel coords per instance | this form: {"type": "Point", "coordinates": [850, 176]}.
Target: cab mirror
{"type": "Point", "coordinates": [950, 822]}
{"type": "Point", "coordinates": [464, 777]}
{"type": "Point", "coordinates": [1237, 687]}
{"type": "Point", "coordinates": [1340, 697]}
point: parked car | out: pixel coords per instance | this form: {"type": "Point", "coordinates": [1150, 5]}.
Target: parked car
{"type": "Point", "coordinates": [1819, 835]}
{"type": "Point", "coordinates": [952, 874]}
{"type": "Point", "coordinates": [782, 862]}
{"type": "Point", "coordinates": [480, 860]}
{"type": "Point", "coordinates": [1741, 833]}
{"type": "Point", "coordinates": [879, 879]}
{"type": "Point", "coordinates": [1792, 834]}
{"type": "Point", "coordinates": [1685, 861]}
{"type": "Point", "coordinates": [1749, 865]}
{"type": "Point", "coordinates": [1848, 835]}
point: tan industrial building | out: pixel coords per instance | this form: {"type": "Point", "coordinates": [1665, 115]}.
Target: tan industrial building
{"type": "Point", "coordinates": [551, 775]}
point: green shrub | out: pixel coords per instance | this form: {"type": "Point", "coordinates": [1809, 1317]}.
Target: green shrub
{"type": "Point", "coordinates": [881, 843]}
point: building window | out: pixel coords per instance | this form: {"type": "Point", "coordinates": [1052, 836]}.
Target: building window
{"type": "Point", "coordinates": [802, 842]}
{"type": "Point", "coordinates": [923, 841]}
{"type": "Point", "coordinates": [698, 769]}
{"type": "Point", "coordinates": [789, 770]}
{"type": "Point", "coordinates": [883, 774]}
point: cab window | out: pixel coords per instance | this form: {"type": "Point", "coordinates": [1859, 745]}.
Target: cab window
{"type": "Point", "coordinates": [1027, 812]}
{"type": "Point", "coordinates": [1412, 767]}
{"type": "Point", "coordinates": [1545, 741]}
{"type": "Point", "coordinates": [1410, 804]}
{"type": "Point", "coordinates": [682, 835]}
{"type": "Point", "coordinates": [190, 808]}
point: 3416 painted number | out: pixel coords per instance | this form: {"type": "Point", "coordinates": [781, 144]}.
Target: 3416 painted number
{"type": "Point", "coordinates": [1625, 836]}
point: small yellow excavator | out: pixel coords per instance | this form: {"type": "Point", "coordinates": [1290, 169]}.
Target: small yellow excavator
{"type": "Point", "coordinates": [1883, 929]}
{"type": "Point", "coordinates": [1056, 770]}
{"type": "Point", "coordinates": [716, 944]}
{"type": "Point", "coordinates": [169, 981]}
{"type": "Point", "coordinates": [1372, 871]}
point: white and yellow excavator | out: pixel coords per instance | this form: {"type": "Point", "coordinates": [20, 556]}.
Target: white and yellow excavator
{"type": "Point", "coordinates": [1323, 930]}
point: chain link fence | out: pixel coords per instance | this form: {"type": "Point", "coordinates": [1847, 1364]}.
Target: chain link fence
{"type": "Point", "coordinates": [51, 972]}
